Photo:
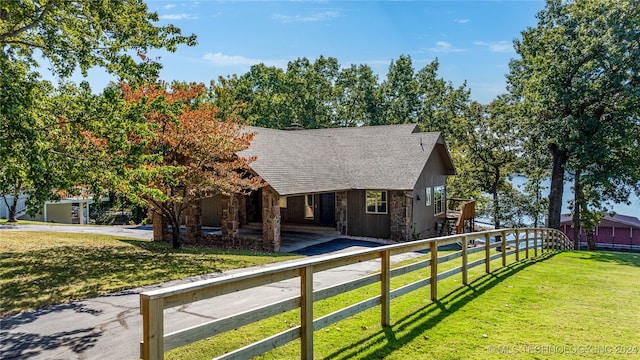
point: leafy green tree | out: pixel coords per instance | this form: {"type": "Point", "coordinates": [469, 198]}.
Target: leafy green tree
{"type": "Point", "coordinates": [441, 104]}
{"type": "Point", "coordinates": [310, 89]}
{"type": "Point", "coordinates": [357, 100]}
{"type": "Point", "coordinates": [69, 35]}
{"type": "Point", "coordinates": [84, 34]}
{"type": "Point", "coordinates": [491, 144]}
{"type": "Point", "coordinates": [578, 69]}
{"type": "Point", "coordinates": [27, 158]}
{"type": "Point", "coordinates": [399, 93]}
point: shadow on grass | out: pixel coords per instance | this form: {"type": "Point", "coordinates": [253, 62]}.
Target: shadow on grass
{"type": "Point", "coordinates": [622, 258]}
{"type": "Point", "coordinates": [42, 277]}
{"type": "Point", "coordinates": [429, 316]}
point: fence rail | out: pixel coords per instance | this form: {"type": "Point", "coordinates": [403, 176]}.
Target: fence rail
{"type": "Point", "coordinates": [153, 303]}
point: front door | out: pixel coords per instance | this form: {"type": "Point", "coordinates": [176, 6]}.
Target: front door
{"type": "Point", "coordinates": [328, 209]}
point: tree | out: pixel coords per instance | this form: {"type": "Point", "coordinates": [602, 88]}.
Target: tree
{"type": "Point", "coordinates": [191, 153]}
{"type": "Point", "coordinates": [578, 68]}
{"type": "Point", "coordinates": [399, 93]}
{"type": "Point", "coordinates": [83, 34]}
{"type": "Point", "coordinates": [27, 161]}
{"type": "Point", "coordinates": [491, 145]}
{"type": "Point", "coordinates": [70, 35]}
{"type": "Point", "coordinates": [357, 101]}
{"type": "Point", "coordinates": [441, 104]}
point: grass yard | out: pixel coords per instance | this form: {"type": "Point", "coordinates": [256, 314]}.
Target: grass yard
{"type": "Point", "coordinates": [563, 305]}
{"type": "Point", "coordinates": [39, 269]}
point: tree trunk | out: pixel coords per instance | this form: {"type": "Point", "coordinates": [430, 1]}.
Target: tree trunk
{"type": "Point", "coordinates": [557, 184]}
{"type": "Point", "coordinates": [496, 199]}
{"type": "Point", "coordinates": [12, 210]}
{"type": "Point", "coordinates": [175, 234]}
{"type": "Point", "coordinates": [577, 200]}
{"type": "Point", "coordinates": [591, 240]}
{"type": "Point", "coordinates": [496, 210]}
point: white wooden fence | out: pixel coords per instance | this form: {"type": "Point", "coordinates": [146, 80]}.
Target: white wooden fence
{"type": "Point", "coordinates": [521, 242]}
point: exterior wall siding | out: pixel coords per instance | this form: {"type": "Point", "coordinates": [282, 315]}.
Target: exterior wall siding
{"type": "Point", "coordinates": [363, 224]}
{"type": "Point", "coordinates": [605, 235]}
{"type": "Point", "coordinates": [211, 211]}
{"type": "Point", "coordinates": [424, 218]}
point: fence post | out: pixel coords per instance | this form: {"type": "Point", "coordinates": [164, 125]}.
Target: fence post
{"type": "Point", "coordinates": [526, 244]}
{"type": "Point", "coordinates": [306, 312]}
{"type": "Point", "coordinates": [543, 240]}
{"type": "Point", "coordinates": [465, 279]}
{"type": "Point", "coordinates": [385, 291]}
{"type": "Point", "coordinates": [504, 248]}
{"type": "Point", "coordinates": [536, 233]}
{"type": "Point", "coordinates": [517, 245]}
{"type": "Point", "coordinates": [487, 253]}
{"type": "Point", "coordinates": [152, 327]}
{"type": "Point", "coordinates": [434, 271]}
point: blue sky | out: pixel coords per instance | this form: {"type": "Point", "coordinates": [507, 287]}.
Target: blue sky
{"type": "Point", "coordinates": [471, 39]}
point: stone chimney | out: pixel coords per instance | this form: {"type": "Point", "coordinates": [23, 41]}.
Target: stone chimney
{"type": "Point", "coordinates": [294, 126]}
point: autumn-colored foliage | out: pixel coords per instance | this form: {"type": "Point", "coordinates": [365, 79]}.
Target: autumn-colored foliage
{"type": "Point", "coordinates": [197, 151]}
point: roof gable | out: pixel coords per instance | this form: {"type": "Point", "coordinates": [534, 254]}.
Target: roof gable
{"type": "Point", "coordinates": [371, 157]}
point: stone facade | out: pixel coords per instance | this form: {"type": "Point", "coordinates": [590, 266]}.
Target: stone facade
{"type": "Point", "coordinates": [401, 212]}
{"type": "Point", "coordinates": [160, 225]}
{"type": "Point", "coordinates": [230, 218]}
{"type": "Point", "coordinates": [341, 212]}
{"type": "Point", "coordinates": [194, 220]}
{"type": "Point", "coordinates": [270, 219]}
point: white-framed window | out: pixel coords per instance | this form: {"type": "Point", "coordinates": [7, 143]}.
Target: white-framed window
{"type": "Point", "coordinates": [308, 206]}
{"type": "Point", "coordinates": [282, 202]}
{"type": "Point", "coordinates": [427, 196]}
{"type": "Point", "coordinates": [438, 200]}
{"type": "Point", "coordinates": [376, 202]}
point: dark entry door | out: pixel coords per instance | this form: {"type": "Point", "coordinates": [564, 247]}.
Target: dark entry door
{"type": "Point", "coordinates": [328, 209]}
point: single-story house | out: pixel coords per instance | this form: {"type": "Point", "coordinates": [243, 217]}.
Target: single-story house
{"type": "Point", "coordinates": [69, 209]}
{"type": "Point", "coordinates": [374, 181]}
{"type": "Point", "coordinates": [614, 231]}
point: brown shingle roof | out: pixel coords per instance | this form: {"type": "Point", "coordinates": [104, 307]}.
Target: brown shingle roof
{"type": "Point", "coordinates": [372, 157]}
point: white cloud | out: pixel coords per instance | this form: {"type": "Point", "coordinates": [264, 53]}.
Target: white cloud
{"type": "Point", "coordinates": [326, 15]}
{"type": "Point", "coordinates": [445, 47]}
{"type": "Point", "coordinates": [221, 59]}
{"type": "Point", "coordinates": [500, 46]}
{"type": "Point", "coordinates": [169, 6]}
{"type": "Point", "coordinates": [461, 21]}
{"type": "Point", "coordinates": [178, 17]}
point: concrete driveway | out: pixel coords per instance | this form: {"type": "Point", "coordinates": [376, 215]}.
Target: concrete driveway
{"type": "Point", "coordinates": [110, 327]}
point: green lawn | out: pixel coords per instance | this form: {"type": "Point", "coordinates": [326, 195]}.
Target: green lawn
{"type": "Point", "coordinates": [38, 269]}
{"type": "Point", "coordinates": [564, 305]}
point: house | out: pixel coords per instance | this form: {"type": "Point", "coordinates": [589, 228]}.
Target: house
{"type": "Point", "coordinates": [373, 181]}
{"type": "Point", "coordinates": [614, 231]}
{"type": "Point", "coordinates": [69, 209]}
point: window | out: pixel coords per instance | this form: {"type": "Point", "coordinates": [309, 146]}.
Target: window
{"type": "Point", "coordinates": [308, 206]}
{"type": "Point", "coordinates": [282, 202]}
{"type": "Point", "coordinates": [376, 202]}
{"type": "Point", "coordinates": [427, 196]}
{"type": "Point", "coordinates": [438, 200]}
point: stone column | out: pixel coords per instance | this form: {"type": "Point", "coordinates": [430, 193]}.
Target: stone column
{"type": "Point", "coordinates": [270, 219]}
{"type": "Point", "coordinates": [400, 209]}
{"type": "Point", "coordinates": [341, 212]}
{"type": "Point", "coordinates": [194, 220]}
{"type": "Point", "coordinates": [230, 224]}
{"type": "Point", "coordinates": [160, 225]}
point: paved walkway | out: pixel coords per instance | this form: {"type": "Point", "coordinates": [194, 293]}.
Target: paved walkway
{"type": "Point", "coordinates": [110, 327]}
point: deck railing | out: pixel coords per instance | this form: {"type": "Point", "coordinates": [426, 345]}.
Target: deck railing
{"type": "Point", "coordinates": [153, 303]}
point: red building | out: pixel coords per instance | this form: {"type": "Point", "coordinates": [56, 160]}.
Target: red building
{"type": "Point", "coordinates": [613, 232]}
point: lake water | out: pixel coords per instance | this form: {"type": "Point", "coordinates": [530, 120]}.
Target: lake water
{"type": "Point", "coordinates": [567, 195]}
